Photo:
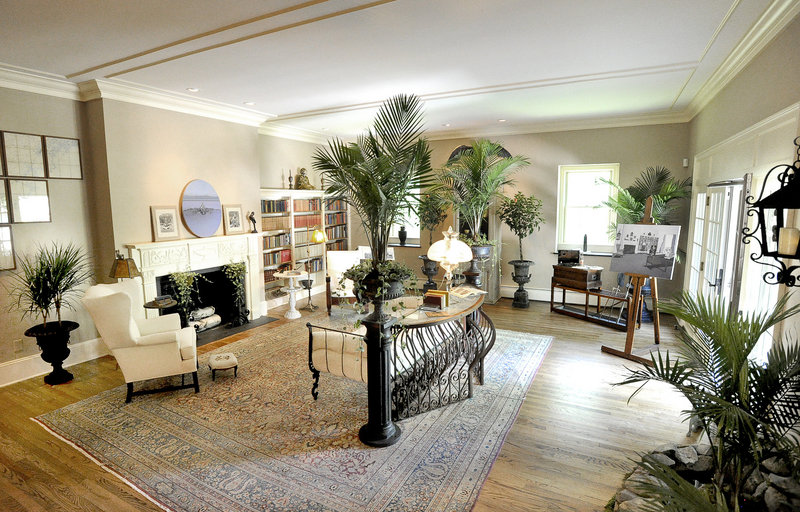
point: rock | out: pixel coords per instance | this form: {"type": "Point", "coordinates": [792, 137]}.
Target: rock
{"type": "Point", "coordinates": [753, 481]}
{"type": "Point", "coordinates": [786, 484]}
{"type": "Point", "coordinates": [634, 505]}
{"type": "Point", "coordinates": [776, 501]}
{"type": "Point", "coordinates": [777, 466]}
{"type": "Point", "coordinates": [626, 495]}
{"type": "Point", "coordinates": [663, 459]}
{"type": "Point", "coordinates": [667, 449]}
{"type": "Point", "coordinates": [686, 455]}
{"type": "Point", "coordinates": [760, 490]}
{"type": "Point", "coordinates": [704, 449]}
{"type": "Point", "coordinates": [704, 463]}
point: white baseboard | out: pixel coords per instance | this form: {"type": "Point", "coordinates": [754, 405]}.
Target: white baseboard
{"type": "Point", "coordinates": [543, 294]}
{"type": "Point", "coordinates": [32, 366]}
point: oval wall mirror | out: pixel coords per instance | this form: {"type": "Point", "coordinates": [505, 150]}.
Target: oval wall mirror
{"type": "Point", "coordinates": [200, 208]}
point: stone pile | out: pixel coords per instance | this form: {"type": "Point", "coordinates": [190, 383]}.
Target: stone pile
{"type": "Point", "coordinates": [770, 487]}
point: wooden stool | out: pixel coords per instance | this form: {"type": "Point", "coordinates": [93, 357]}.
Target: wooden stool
{"type": "Point", "coordinates": [224, 361]}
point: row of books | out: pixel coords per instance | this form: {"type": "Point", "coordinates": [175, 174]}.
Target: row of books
{"type": "Point", "coordinates": [307, 205]}
{"type": "Point", "coordinates": [338, 245]}
{"type": "Point", "coordinates": [335, 204]}
{"type": "Point", "coordinates": [272, 241]}
{"type": "Point", "coordinates": [277, 257]}
{"type": "Point", "coordinates": [274, 205]}
{"type": "Point", "coordinates": [336, 232]}
{"type": "Point", "coordinates": [335, 218]}
{"type": "Point", "coordinates": [269, 274]}
{"type": "Point", "coordinates": [307, 221]}
{"type": "Point", "coordinates": [308, 251]}
{"type": "Point", "coordinates": [276, 223]}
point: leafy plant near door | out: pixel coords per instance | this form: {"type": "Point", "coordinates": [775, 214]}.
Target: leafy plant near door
{"type": "Point", "coordinates": [749, 412]}
{"type": "Point", "coordinates": [235, 273]}
{"type": "Point", "coordinates": [523, 215]}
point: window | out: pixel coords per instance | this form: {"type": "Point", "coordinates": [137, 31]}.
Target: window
{"type": "Point", "coordinates": [411, 222]}
{"type": "Point", "coordinates": [580, 192]}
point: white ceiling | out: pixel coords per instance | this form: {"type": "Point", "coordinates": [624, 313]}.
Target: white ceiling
{"type": "Point", "coordinates": [321, 67]}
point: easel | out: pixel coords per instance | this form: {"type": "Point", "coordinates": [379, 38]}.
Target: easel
{"type": "Point", "coordinates": [634, 311]}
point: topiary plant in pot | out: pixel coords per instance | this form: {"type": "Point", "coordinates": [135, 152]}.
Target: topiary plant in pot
{"type": "Point", "coordinates": [472, 181]}
{"type": "Point", "coordinates": [47, 281]}
{"type": "Point", "coordinates": [523, 215]}
{"type": "Point", "coordinates": [432, 212]}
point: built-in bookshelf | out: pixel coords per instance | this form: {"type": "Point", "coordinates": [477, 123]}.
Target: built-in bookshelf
{"type": "Point", "coordinates": [288, 217]}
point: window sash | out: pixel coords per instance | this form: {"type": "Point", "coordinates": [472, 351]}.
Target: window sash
{"type": "Point", "coordinates": [582, 205]}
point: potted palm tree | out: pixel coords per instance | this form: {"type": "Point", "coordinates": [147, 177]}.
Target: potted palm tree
{"type": "Point", "coordinates": [376, 176]}
{"type": "Point", "coordinates": [432, 212]}
{"type": "Point", "coordinates": [472, 181]}
{"type": "Point", "coordinates": [523, 215]}
{"type": "Point", "coordinates": [47, 281]}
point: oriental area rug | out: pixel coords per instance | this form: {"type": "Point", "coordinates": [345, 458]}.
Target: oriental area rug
{"type": "Point", "coordinates": [259, 442]}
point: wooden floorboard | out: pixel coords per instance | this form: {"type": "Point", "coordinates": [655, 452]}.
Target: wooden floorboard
{"type": "Point", "coordinates": [568, 450]}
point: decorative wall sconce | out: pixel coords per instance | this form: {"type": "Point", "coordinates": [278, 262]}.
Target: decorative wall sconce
{"type": "Point", "coordinates": [777, 242]}
{"type": "Point", "coordinates": [123, 268]}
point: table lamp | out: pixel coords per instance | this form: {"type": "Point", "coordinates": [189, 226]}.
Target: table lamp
{"type": "Point", "coordinates": [449, 252]}
{"type": "Point", "coordinates": [316, 237]}
{"type": "Point", "coordinates": [123, 268]}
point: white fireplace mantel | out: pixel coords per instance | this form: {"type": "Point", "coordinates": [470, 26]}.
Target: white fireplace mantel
{"type": "Point", "coordinates": [156, 259]}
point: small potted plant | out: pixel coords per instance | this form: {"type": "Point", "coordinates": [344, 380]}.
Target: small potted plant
{"type": "Point", "coordinates": [432, 211]}
{"type": "Point", "coordinates": [235, 273]}
{"type": "Point", "coordinates": [523, 215]}
{"type": "Point", "coordinates": [472, 181]}
{"type": "Point", "coordinates": [47, 281]}
{"type": "Point", "coordinates": [185, 287]}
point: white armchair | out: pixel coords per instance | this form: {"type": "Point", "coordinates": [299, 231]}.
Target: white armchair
{"type": "Point", "coordinates": [337, 263]}
{"type": "Point", "coordinates": [144, 348]}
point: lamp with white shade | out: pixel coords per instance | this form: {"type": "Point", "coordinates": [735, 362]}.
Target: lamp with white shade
{"type": "Point", "coordinates": [449, 252]}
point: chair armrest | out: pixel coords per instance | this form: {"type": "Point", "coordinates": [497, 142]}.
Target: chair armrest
{"type": "Point", "coordinates": [159, 338]}
{"type": "Point", "coordinates": [171, 322]}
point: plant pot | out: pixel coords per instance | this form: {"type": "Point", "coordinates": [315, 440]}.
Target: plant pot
{"type": "Point", "coordinates": [52, 340]}
{"type": "Point", "coordinates": [521, 276]}
{"type": "Point", "coordinates": [473, 273]}
{"type": "Point", "coordinates": [402, 235]}
{"type": "Point", "coordinates": [429, 269]}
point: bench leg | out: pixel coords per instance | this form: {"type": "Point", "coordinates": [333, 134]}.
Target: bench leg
{"type": "Point", "coordinates": [315, 387]}
{"type": "Point", "coordinates": [129, 395]}
{"type": "Point", "coordinates": [196, 384]}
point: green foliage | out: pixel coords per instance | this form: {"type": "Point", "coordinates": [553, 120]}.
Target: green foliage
{"type": "Point", "coordinates": [387, 272]}
{"type": "Point", "coordinates": [432, 212]}
{"type": "Point", "coordinates": [752, 410]}
{"type": "Point", "coordinates": [376, 174]}
{"type": "Point", "coordinates": [675, 494]}
{"type": "Point", "coordinates": [49, 279]}
{"type": "Point", "coordinates": [472, 181]}
{"type": "Point", "coordinates": [523, 215]}
{"type": "Point", "coordinates": [235, 273]}
{"type": "Point", "coordinates": [184, 284]}
{"type": "Point", "coordinates": [655, 182]}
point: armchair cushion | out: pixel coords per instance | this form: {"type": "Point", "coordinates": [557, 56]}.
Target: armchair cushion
{"type": "Point", "coordinates": [338, 263]}
{"type": "Point", "coordinates": [171, 322]}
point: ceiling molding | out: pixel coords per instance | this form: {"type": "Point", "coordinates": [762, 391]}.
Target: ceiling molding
{"type": "Point", "coordinates": [289, 132]}
{"type": "Point", "coordinates": [774, 19]}
{"type": "Point", "coordinates": [21, 79]}
{"type": "Point", "coordinates": [150, 97]}
{"type": "Point", "coordinates": [565, 126]}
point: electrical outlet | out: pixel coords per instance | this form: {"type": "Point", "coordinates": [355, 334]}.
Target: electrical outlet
{"type": "Point", "coordinates": [18, 345]}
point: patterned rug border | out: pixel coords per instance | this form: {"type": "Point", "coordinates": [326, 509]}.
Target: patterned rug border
{"type": "Point", "coordinates": [546, 341]}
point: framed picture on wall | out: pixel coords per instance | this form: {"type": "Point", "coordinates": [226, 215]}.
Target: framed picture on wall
{"type": "Point", "coordinates": [63, 158]}
{"type": "Point", "coordinates": [165, 222]}
{"type": "Point", "coordinates": [233, 219]}
{"type": "Point", "coordinates": [7, 261]}
{"type": "Point", "coordinates": [24, 155]}
{"type": "Point", "coordinates": [30, 201]}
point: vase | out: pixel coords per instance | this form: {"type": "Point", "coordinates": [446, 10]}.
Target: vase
{"type": "Point", "coordinates": [473, 273]}
{"type": "Point", "coordinates": [52, 340]}
{"type": "Point", "coordinates": [402, 235]}
{"type": "Point", "coordinates": [521, 276]}
{"type": "Point", "coordinates": [429, 270]}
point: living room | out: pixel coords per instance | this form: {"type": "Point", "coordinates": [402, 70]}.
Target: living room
{"type": "Point", "coordinates": [140, 145]}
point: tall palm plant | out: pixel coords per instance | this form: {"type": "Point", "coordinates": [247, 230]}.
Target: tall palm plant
{"type": "Point", "coordinates": [472, 180]}
{"type": "Point", "coordinates": [750, 412]}
{"type": "Point", "coordinates": [377, 173]}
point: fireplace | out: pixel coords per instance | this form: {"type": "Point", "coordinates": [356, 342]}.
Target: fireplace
{"type": "Point", "coordinates": [157, 260]}
{"type": "Point", "coordinates": [214, 290]}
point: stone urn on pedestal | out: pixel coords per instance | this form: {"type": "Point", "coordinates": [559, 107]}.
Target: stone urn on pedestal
{"type": "Point", "coordinates": [429, 270]}
{"type": "Point", "coordinates": [522, 214]}
{"type": "Point", "coordinates": [521, 276]}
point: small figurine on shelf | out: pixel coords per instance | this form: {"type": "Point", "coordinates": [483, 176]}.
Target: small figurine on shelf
{"type": "Point", "coordinates": [252, 218]}
{"type": "Point", "coordinates": [290, 178]}
{"type": "Point", "coordinates": [303, 183]}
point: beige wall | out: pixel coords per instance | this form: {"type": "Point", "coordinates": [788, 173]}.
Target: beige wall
{"type": "Point", "coordinates": [276, 157]}
{"type": "Point", "coordinates": [70, 207]}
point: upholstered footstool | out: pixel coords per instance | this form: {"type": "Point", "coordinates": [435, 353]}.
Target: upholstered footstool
{"type": "Point", "coordinates": [224, 361]}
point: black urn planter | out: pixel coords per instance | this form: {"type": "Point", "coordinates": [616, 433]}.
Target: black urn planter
{"type": "Point", "coordinates": [473, 273]}
{"type": "Point", "coordinates": [429, 269]}
{"type": "Point", "coordinates": [521, 276]}
{"type": "Point", "coordinates": [402, 235]}
{"type": "Point", "coordinates": [52, 340]}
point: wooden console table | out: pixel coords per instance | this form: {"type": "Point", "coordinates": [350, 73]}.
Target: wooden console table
{"type": "Point", "coordinates": [595, 315]}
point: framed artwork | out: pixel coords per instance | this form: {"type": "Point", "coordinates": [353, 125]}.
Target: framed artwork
{"type": "Point", "coordinates": [30, 201]}
{"type": "Point", "coordinates": [63, 158]}
{"type": "Point", "coordinates": [233, 219]}
{"type": "Point", "coordinates": [7, 261]}
{"type": "Point", "coordinates": [24, 155]}
{"type": "Point", "coordinates": [200, 208]}
{"type": "Point", "coordinates": [646, 249]}
{"type": "Point", "coordinates": [4, 215]}
{"type": "Point", "coordinates": [165, 222]}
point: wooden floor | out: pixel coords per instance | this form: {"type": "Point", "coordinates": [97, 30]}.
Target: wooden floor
{"type": "Point", "coordinates": [568, 449]}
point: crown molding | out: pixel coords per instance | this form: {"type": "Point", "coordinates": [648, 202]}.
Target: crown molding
{"type": "Point", "coordinates": [28, 80]}
{"type": "Point", "coordinates": [565, 126]}
{"type": "Point", "coordinates": [773, 21]}
{"type": "Point", "coordinates": [289, 132]}
{"type": "Point", "coordinates": [120, 90]}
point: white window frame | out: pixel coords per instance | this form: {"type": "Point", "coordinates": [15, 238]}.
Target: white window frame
{"type": "Point", "coordinates": [411, 220]}
{"type": "Point", "coordinates": [563, 171]}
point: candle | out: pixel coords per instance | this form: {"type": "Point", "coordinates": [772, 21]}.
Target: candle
{"type": "Point", "coordinates": [787, 241]}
